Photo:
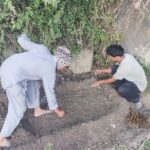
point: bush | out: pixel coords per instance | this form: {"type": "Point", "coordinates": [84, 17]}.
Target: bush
{"type": "Point", "coordinates": [75, 23]}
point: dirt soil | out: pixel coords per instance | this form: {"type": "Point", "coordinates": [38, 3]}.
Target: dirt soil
{"type": "Point", "coordinates": [94, 120]}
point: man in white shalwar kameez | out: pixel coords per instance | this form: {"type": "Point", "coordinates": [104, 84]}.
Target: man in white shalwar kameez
{"type": "Point", "coordinates": [21, 77]}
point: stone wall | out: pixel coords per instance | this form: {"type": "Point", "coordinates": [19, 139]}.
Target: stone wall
{"type": "Point", "coordinates": [133, 20]}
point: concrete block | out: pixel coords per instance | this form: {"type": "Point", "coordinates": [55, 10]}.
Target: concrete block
{"type": "Point", "coordinates": [82, 63]}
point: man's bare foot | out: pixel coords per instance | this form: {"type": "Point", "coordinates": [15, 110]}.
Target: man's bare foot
{"type": "Point", "coordinates": [4, 142]}
{"type": "Point", "coordinates": [40, 112]}
{"type": "Point", "coordinates": [59, 112]}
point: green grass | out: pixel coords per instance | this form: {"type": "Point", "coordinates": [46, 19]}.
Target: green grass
{"type": "Point", "coordinates": [147, 72]}
{"type": "Point", "coordinates": [145, 146]}
{"type": "Point", "coordinates": [48, 146]}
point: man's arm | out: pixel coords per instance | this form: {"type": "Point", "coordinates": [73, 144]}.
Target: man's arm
{"type": "Point", "coordinates": [49, 83]}
{"type": "Point", "coordinates": [105, 81]}
{"type": "Point", "coordinates": [28, 45]}
{"type": "Point", "coordinates": [103, 71]}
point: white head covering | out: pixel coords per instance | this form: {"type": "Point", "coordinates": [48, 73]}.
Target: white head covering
{"type": "Point", "coordinates": [64, 56]}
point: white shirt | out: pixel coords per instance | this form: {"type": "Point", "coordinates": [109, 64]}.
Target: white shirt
{"type": "Point", "coordinates": [131, 70]}
{"type": "Point", "coordinates": [36, 63]}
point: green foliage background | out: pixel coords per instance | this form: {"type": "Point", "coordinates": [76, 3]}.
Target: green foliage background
{"type": "Point", "coordinates": [74, 23]}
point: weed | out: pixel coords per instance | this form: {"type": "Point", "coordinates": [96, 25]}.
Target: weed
{"type": "Point", "coordinates": [48, 147]}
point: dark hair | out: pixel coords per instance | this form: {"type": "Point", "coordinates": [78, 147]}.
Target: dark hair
{"type": "Point", "coordinates": [115, 50]}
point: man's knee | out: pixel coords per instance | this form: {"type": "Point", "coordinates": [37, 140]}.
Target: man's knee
{"type": "Point", "coordinates": [129, 94]}
{"type": "Point", "coordinates": [122, 91]}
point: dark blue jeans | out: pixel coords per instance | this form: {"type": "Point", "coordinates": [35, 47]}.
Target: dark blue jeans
{"type": "Point", "coordinates": [126, 89]}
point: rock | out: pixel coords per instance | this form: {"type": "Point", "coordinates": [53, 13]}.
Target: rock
{"type": "Point", "coordinates": [113, 125]}
{"type": "Point", "coordinates": [82, 63]}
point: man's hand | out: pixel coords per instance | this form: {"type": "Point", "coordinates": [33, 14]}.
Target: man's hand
{"type": "Point", "coordinates": [103, 71]}
{"type": "Point", "coordinates": [99, 72]}
{"type": "Point", "coordinates": [105, 81]}
{"type": "Point", "coordinates": [96, 84]}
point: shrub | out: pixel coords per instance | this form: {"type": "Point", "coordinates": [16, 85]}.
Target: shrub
{"type": "Point", "coordinates": [75, 23]}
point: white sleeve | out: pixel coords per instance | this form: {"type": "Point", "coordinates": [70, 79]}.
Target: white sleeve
{"type": "Point", "coordinates": [27, 44]}
{"type": "Point", "coordinates": [49, 83]}
{"type": "Point", "coordinates": [122, 72]}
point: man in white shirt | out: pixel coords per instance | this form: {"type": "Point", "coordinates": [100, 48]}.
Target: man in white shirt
{"type": "Point", "coordinates": [21, 77]}
{"type": "Point", "coordinates": [128, 75]}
